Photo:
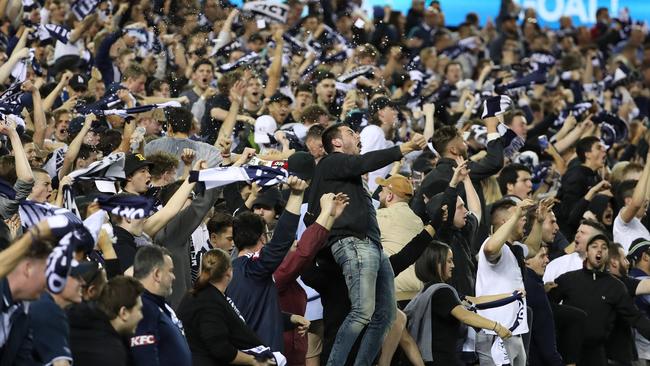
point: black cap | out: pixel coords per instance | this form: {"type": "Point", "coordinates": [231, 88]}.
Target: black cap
{"type": "Point", "coordinates": [278, 97]}
{"type": "Point", "coordinates": [79, 83]}
{"type": "Point", "coordinates": [379, 104]}
{"type": "Point", "coordinates": [134, 162]}
{"type": "Point", "coordinates": [77, 123]}
{"type": "Point", "coordinates": [80, 268]}
{"type": "Point", "coordinates": [302, 165]}
{"type": "Point", "coordinates": [271, 198]}
{"type": "Point", "coordinates": [638, 247]}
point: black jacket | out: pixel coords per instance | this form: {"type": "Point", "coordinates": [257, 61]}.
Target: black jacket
{"type": "Point", "coordinates": [543, 349]}
{"type": "Point", "coordinates": [603, 297]}
{"type": "Point", "coordinates": [93, 340]}
{"type": "Point", "coordinates": [438, 179]}
{"type": "Point", "coordinates": [576, 182]}
{"type": "Point", "coordinates": [17, 349]}
{"type": "Point", "coordinates": [341, 173]}
{"type": "Point", "coordinates": [214, 330]}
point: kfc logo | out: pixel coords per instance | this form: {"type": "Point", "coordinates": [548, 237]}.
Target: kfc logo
{"type": "Point", "coordinates": [143, 340]}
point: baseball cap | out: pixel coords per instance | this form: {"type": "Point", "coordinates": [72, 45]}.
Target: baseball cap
{"type": "Point", "coordinates": [379, 104]}
{"type": "Point", "coordinates": [79, 82]}
{"type": "Point", "coordinates": [302, 165]}
{"type": "Point", "coordinates": [264, 125]}
{"type": "Point", "coordinates": [80, 268]}
{"type": "Point", "coordinates": [639, 246]}
{"type": "Point", "coordinates": [399, 184]}
{"type": "Point", "coordinates": [134, 162]}
{"type": "Point", "coordinates": [278, 97]}
{"type": "Point", "coordinates": [270, 198]}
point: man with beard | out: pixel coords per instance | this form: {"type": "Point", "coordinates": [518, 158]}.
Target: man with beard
{"type": "Point", "coordinates": [159, 338]}
{"type": "Point", "coordinates": [602, 296]}
{"type": "Point", "coordinates": [356, 235]}
{"type": "Point", "coordinates": [449, 144]}
{"type": "Point", "coordinates": [377, 135]}
{"type": "Point", "coordinates": [398, 225]}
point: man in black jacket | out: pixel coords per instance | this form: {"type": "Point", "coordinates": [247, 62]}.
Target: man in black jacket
{"type": "Point", "coordinates": [448, 142]}
{"type": "Point", "coordinates": [579, 178]}
{"type": "Point", "coordinates": [355, 235]}
{"type": "Point", "coordinates": [603, 297]}
{"type": "Point", "coordinates": [99, 332]}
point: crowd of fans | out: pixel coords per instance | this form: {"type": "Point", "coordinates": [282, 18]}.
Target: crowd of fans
{"type": "Point", "coordinates": [304, 183]}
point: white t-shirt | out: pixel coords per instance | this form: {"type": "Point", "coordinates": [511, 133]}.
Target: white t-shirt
{"type": "Point", "coordinates": [502, 277]}
{"type": "Point", "coordinates": [562, 265]}
{"type": "Point", "coordinates": [625, 234]}
{"type": "Point", "coordinates": [373, 139]}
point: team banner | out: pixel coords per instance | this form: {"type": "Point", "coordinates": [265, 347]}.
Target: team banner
{"type": "Point", "coordinates": [271, 10]}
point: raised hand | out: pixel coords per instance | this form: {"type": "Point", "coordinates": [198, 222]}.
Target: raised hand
{"type": "Point", "coordinates": [238, 91]}
{"type": "Point", "coordinates": [524, 206]}
{"type": "Point", "coordinates": [200, 165]}
{"type": "Point", "coordinates": [296, 184]}
{"type": "Point", "coordinates": [418, 142]}
{"type": "Point", "coordinates": [65, 78]}
{"type": "Point", "coordinates": [460, 172]}
{"type": "Point", "coordinates": [327, 203]}
{"type": "Point", "coordinates": [544, 208]}
{"type": "Point", "coordinates": [496, 106]}
{"type": "Point", "coordinates": [187, 156]}
{"type": "Point", "coordinates": [245, 156]}
{"type": "Point", "coordinates": [341, 201]}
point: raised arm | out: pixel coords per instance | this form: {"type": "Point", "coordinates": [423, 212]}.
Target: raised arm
{"type": "Point", "coordinates": [18, 54]}
{"type": "Point", "coordinates": [275, 71]}
{"type": "Point", "coordinates": [628, 212]}
{"type": "Point", "coordinates": [473, 202]}
{"type": "Point", "coordinates": [158, 220]}
{"type": "Point", "coordinates": [40, 123]}
{"type": "Point", "coordinates": [429, 109]}
{"type": "Point", "coordinates": [236, 96]}
{"type": "Point", "coordinates": [23, 170]}
{"type": "Point", "coordinates": [75, 146]}
{"type": "Point", "coordinates": [492, 247]}
{"type": "Point", "coordinates": [356, 165]}
{"type": "Point", "coordinates": [311, 241]}
{"type": "Point", "coordinates": [274, 252]}
{"type": "Point", "coordinates": [49, 100]}
{"type": "Point", "coordinates": [10, 257]}
{"type": "Point", "coordinates": [534, 239]}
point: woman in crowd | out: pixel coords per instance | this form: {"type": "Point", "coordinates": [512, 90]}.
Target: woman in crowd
{"type": "Point", "coordinates": [439, 306]}
{"type": "Point", "coordinates": [215, 330]}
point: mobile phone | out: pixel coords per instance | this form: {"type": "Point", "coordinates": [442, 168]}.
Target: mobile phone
{"type": "Point", "coordinates": [543, 142]}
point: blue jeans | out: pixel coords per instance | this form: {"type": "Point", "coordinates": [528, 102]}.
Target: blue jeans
{"type": "Point", "coordinates": [371, 288]}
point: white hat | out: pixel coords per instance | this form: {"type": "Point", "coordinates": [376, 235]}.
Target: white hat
{"type": "Point", "coordinates": [264, 125]}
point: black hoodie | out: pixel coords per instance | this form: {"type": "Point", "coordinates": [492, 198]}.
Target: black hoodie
{"type": "Point", "coordinates": [93, 339]}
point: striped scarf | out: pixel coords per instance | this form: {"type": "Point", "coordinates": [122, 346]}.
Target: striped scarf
{"type": "Point", "coordinates": [110, 168]}
{"type": "Point", "coordinates": [262, 175]}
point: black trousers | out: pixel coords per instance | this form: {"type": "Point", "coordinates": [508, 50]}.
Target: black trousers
{"type": "Point", "coordinates": [569, 323]}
